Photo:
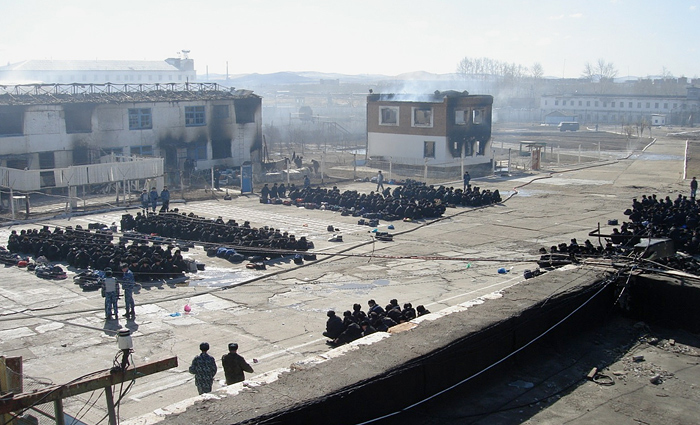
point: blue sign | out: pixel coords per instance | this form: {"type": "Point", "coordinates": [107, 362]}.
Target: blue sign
{"type": "Point", "coordinates": [247, 178]}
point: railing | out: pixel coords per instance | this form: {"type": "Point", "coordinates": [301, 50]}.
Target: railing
{"type": "Point", "coordinates": [80, 88]}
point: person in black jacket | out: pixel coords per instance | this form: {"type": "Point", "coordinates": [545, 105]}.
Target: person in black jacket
{"type": "Point", "coordinates": [234, 365]}
{"type": "Point", "coordinates": [334, 326]}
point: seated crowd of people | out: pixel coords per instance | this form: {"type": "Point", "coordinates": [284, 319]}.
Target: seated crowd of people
{"type": "Point", "coordinates": [413, 200]}
{"type": "Point", "coordinates": [356, 323]}
{"type": "Point", "coordinates": [85, 249]}
{"type": "Point", "coordinates": [650, 217]}
{"type": "Point", "coordinates": [263, 241]}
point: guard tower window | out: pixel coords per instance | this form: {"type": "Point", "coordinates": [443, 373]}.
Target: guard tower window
{"type": "Point", "coordinates": [389, 115]}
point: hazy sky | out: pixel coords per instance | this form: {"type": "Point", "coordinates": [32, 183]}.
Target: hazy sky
{"type": "Point", "coordinates": [390, 37]}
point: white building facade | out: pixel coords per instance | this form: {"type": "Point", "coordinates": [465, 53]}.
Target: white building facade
{"type": "Point", "coordinates": [54, 126]}
{"type": "Point", "coordinates": [624, 109]}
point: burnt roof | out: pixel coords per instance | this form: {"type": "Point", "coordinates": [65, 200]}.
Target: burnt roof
{"type": "Point", "coordinates": [53, 94]}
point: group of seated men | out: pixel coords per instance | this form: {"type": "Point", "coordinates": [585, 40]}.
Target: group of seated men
{"type": "Point", "coordinates": [413, 200]}
{"type": "Point", "coordinates": [264, 241]}
{"type": "Point", "coordinates": [356, 323]}
{"type": "Point", "coordinates": [84, 249]}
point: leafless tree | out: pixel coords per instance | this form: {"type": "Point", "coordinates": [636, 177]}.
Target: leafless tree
{"type": "Point", "coordinates": [537, 71]}
{"type": "Point", "coordinates": [600, 71]}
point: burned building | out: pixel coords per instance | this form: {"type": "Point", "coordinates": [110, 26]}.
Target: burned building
{"type": "Point", "coordinates": [439, 129]}
{"type": "Point", "coordinates": [56, 126]}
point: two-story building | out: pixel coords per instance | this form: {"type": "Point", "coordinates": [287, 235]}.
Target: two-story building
{"type": "Point", "coordinates": [56, 126]}
{"type": "Point", "coordinates": [438, 129]}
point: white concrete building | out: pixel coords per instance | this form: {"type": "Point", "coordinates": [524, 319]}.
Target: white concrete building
{"type": "Point", "coordinates": [624, 109]}
{"type": "Point", "coordinates": [171, 70]}
{"type": "Point", "coordinates": [55, 126]}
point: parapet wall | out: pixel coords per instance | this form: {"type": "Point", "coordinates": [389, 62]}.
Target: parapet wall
{"type": "Point", "coordinates": [373, 377]}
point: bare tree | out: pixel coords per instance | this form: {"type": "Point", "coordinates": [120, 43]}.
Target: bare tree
{"type": "Point", "coordinates": [600, 71]}
{"type": "Point", "coordinates": [537, 71]}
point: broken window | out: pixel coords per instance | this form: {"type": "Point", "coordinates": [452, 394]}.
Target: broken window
{"type": "Point", "coordinates": [220, 148]}
{"type": "Point", "coordinates": [11, 121]}
{"type": "Point", "coordinates": [47, 160]}
{"type": "Point", "coordinates": [197, 150]}
{"type": "Point", "coordinates": [422, 117]}
{"type": "Point", "coordinates": [146, 150]}
{"type": "Point", "coordinates": [47, 179]}
{"type": "Point", "coordinates": [389, 115]}
{"type": "Point", "coordinates": [195, 116]}
{"type": "Point", "coordinates": [245, 110]}
{"type": "Point", "coordinates": [461, 116]}
{"type": "Point", "coordinates": [428, 149]}
{"type": "Point", "coordinates": [78, 118]}
{"type": "Point", "coordinates": [221, 111]}
{"type": "Point", "coordinates": [140, 119]}
{"type": "Point", "coordinates": [478, 116]}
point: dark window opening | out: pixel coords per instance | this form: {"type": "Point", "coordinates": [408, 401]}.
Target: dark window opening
{"type": "Point", "coordinates": [221, 111]}
{"type": "Point", "coordinates": [146, 150]}
{"type": "Point", "coordinates": [11, 121]}
{"type": "Point", "coordinates": [140, 119]}
{"type": "Point", "coordinates": [47, 160]}
{"type": "Point", "coordinates": [47, 179]}
{"type": "Point", "coordinates": [18, 163]}
{"type": "Point", "coordinates": [477, 116]}
{"type": "Point", "coordinates": [78, 118]}
{"type": "Point", "coordinates": [81, 155]}
{"type": "Point", "coordinates": [245, 110]}
{"type": "Point", "coordinates": [220, 149]}
{"type": "Point", "coordinates": [422, 117]}
{"type": "Point", "coordinates": [195, 116]}
{"type": "Point", "coordinates": [428, 149]}
{"type": "Point", "coordinates": [197, 150]}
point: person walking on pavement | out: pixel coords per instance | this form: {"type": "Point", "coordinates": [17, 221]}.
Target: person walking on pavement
{"type": "Point", "coordinates": [153, 195]}
{"type": "Point", "coordinates": [110, 287]}
{"type": "Point", "coordinates": [380, 180]}
{"type": "Point", "coordinates": [203, 368]}
{"type": "Point", "coordinates": [234, 365]}
{"type": "Point", "coordinates": [128, 284]}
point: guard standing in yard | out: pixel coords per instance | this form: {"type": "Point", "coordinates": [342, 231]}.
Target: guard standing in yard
{"type": "Point", "coordinates": [693, 188]}
{"type": "Point", "coordinates": [380, 180]}
{"type": "Point", "coordinates": [234, 365]}
{"type": "Point", "coordinates": [153, 194]}
{"type": "Point", "coordinates": [203, 368]}
{"type": "Point", "coordinates": [165, 199]}
{"type": "Point", "coordinates": [128, 284]}
{"type": "Point", "coordinates": [110, 287]}
{"type": "Point", "coordinates": [467, 178]}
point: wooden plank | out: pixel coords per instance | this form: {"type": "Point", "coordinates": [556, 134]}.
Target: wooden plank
{"type": "Point", "coordinates": [101, 380]}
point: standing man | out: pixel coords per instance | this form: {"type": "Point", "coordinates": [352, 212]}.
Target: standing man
{"type": "Point", "coordinates": [307, 182]}
{"type": "Point", "coordinates": [111, 291]}
{"type": "Point", "coordinates": [165, 198]}
{"type": "Point", "coordinates": [203, 368]}
{"type": "Point", "coordinates": [145, 200]}
{"type": "Point", "coordinates": [467, 178]}
{"type": "Point", "coordinates": [693, 188]}
{"type": "Point", "coordinates": [153, 195]}
{"type": "Point", "coordinates": [234, 365]}
{"type": "Point", "coordinates": [217, 175]}
{"type": "Point", "coordinates": [128, 284]}
{"type": "Point", "coordinates": [380, 181]}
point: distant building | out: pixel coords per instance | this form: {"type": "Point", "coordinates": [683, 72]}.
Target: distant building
{"type": "Point", "coordinates": [556, 117]}
{"type": "Point", "coordinates": [171, 70]}
{"type": "Point", "coordinates": [439, 128]}
{"type": "Point", "coordinates": [57, 126]}
{"type": "Point", "coordinates": [623, 109]}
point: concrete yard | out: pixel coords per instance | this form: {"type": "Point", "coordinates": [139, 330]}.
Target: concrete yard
{"type": "Point", "coordinates": [277, 315]}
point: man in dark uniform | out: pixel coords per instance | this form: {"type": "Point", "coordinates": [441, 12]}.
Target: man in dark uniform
{"type": "Point", "coordinates": [334, 325]}
{"type": "Point", "coordinates": [234, 365]}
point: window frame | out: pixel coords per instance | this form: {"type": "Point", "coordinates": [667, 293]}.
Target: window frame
{"type": "Point", "coordinates": [195, 116]}
{"type": "Point", "coordinates": [137, 118]}
{"type": "Point", "coordinates": [395, 110]}
{"type": "Point", "coordinates": [416, 109]}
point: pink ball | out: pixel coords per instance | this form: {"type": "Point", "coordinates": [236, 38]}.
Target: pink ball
{"type": "Point", "coordinates": [187, 308]}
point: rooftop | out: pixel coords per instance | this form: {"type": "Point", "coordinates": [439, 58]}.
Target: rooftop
{"type": "Point", "coordinates": [88, 65]}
